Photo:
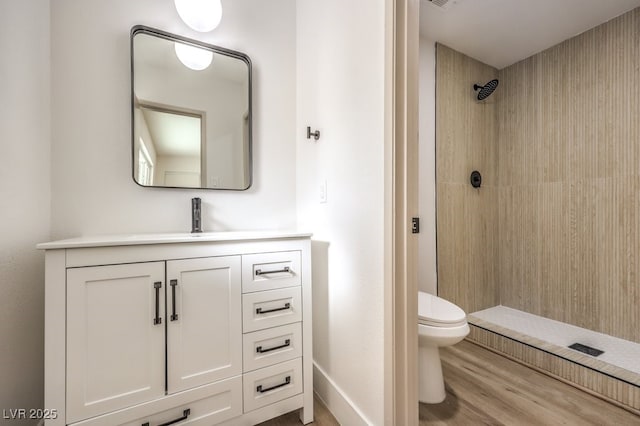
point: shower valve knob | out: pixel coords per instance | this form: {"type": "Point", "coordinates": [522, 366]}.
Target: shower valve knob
{"type": "Point", "coordinates": [475, 179]}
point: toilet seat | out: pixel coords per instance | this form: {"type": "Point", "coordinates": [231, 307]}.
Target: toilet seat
{"type": "Point", "coordinates": [437, 312]}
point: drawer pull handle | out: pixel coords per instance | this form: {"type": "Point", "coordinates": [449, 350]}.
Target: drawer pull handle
{"type": "Point", "coordinates": [261, 272]}
{"type": "Point", "coordinates": [287, 380]}
{"type": "Point", "coordinates": [284, 308]}
{"type": "Point", "coordinates": [185, 414]}
{"type": "Point", "coordinates": [157, 320]}
{"type": "Point", "coordinates": [262, 351]}
{"type": "Point", "coordinates": [173, 283]}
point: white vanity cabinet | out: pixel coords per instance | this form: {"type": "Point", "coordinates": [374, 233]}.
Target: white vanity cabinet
{"type": "Point", "coordinates": [178, 329]}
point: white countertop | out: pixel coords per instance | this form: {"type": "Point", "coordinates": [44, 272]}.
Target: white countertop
{"type": "Point", "coordinates": [180, 237]}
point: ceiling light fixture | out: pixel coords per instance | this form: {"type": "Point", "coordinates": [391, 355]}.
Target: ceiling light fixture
{"type": "Point", "coordinates": [201, 15]}
{"type": "Point", "coordinates": [193, 57]}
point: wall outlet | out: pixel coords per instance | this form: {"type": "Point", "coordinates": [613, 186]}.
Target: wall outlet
{"type": "Point", "coordinates": [323, 191]}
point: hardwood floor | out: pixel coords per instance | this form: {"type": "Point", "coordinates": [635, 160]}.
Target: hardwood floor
{"type": "Point", "coordinates": [484, 388]}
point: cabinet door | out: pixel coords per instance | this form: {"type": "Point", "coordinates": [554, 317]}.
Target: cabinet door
{"type": "Point", "coordinates": [204, 321]}
{"type": "Point", "coordinates": [115, 337]}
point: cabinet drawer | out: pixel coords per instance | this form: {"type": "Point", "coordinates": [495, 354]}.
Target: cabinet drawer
{"type": "Point", "coordinates": [271, 346]}
{"type": "Point", "coordinates": [207, 405]}
{"type": "Point", "coordinates": [267, 271]}
{"type": "Point", "coordinates": [271, 308]}
{"type": "Point", "coordinates": [271, 384]}
{"type": "Point", "coordinates": [224, 404]}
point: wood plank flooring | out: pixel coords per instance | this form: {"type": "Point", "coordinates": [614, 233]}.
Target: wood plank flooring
{"type": "Point", "coordinates": [484, 388]}
{"type": "Point", "coordinates": [321, 414]}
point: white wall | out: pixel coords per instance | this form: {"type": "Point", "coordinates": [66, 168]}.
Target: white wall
{"type": "Point", "coordinates": [427, 271]}
{"type": "Point", "coordinates": [182, 168]}
{"type": "Point", "coordinates": [340, 83]}
{"type": "Point", "coordinates": [24, 198]}
{"type": "Point", "coordinates": [92, 188]}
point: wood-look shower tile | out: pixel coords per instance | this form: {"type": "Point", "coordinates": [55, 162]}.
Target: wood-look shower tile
{"type": "Point", "coordinates": [518, 142]}
{"type": "Point", "coordinates": [451, 252]}
{"type": "Point", "coordinates": [585, 239]}
{"type": "Point", "coordinates": [517, 252]}
{"type": "Point", "coordinates": [585, 148]}
{"type": "Point", "coordinates": [604, 81]}
{"type": "Point", "coordinates": [484, 275]}
{"type": "Point", "coordinates": [587, 136]}
{"type": "Point", "coordinates": [619, 289]}
{"type": "Point", "coordinates": [463, 148]}
{"type": "Point", "coordinates": [552, 208]}
{"type": "Point", "coordinates": [467, 264]}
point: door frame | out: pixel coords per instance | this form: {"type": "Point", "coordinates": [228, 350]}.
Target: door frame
{"type": "Point", "coordinates": [401, 204]}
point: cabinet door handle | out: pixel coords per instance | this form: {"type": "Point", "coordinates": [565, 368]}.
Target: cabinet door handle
{"type": "Point", "coordinates": [284, 308]}
{"type": "Point", "coordinates": [262, 351]}
{"type": "Point", "coordinates": [157, 320]}
{"type": "Point", "coordinates": [261, 272]}
{"type": "Point", "coordinates": [185, 414]}
{"type": "Point", "coordinates": [173, 284]}
{"type": "Point", "coordinates": [287, 380]}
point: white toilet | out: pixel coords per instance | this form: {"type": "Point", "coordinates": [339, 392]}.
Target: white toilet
{"type": "Point", "coordinates": [440, 323]}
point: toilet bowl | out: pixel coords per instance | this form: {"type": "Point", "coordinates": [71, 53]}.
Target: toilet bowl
{"type": "Point", "coordinates": [440, 323]}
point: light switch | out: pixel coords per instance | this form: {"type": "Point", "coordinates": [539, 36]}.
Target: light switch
{"type": "Point", "coordinates": [323, 191]}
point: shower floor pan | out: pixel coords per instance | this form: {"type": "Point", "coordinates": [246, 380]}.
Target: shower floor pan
{"type": "Point", "coordinates": [620, 358]}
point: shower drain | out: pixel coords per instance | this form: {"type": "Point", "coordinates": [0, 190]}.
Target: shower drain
{"type": "Point", "coordinates": [586, 349]}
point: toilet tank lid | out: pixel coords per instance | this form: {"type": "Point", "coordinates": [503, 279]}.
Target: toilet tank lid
{"type": "Point", "coordinates": [435, 309]}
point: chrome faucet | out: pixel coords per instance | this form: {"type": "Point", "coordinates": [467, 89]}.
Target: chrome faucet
{"type": "Point", "coordinates": [196, 215]}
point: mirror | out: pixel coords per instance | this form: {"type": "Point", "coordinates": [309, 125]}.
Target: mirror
{"type": "Point", "coordinates": [191, 113]}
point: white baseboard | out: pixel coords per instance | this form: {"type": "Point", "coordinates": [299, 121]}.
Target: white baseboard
{"type": "Point", "coordinates": [342, 408]}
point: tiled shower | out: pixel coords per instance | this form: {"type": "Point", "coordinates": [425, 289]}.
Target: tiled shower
{"type": "Point", "coordinates": [547, 250]}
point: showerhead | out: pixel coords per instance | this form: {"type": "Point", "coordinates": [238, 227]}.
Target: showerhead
{"type": "Point", "coordinates": [486, 90]}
